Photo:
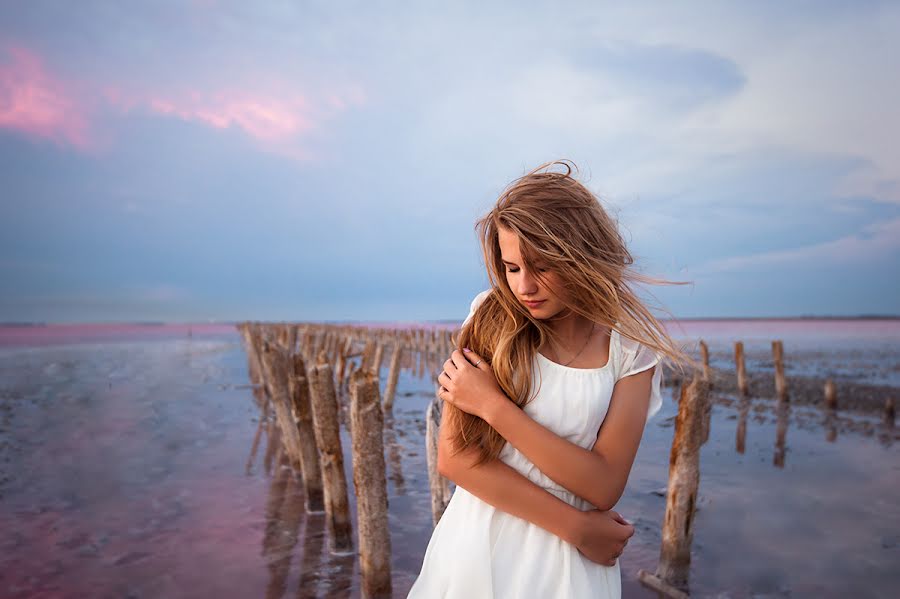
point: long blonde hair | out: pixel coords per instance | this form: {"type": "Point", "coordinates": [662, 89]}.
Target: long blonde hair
{"type": "Point", "coordinates": [560, 223]}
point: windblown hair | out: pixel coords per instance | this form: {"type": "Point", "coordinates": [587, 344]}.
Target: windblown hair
{"type": "Point", "coordinates": [562, 226]}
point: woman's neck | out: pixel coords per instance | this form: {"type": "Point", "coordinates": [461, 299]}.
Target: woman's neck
{"type": "Point", "coordinates": [571, 330]}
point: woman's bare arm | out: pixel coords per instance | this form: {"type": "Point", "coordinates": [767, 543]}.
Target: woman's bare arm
{"type": "Point", "coordinates": [599, 474]}
{"type": "Point", "coordinates": [506, 489]}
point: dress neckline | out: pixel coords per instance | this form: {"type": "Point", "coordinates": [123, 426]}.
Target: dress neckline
{"type": "Point", "coordinates": [609, 360]}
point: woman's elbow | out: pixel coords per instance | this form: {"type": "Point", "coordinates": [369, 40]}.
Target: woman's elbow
{"type": "Point", "coordinates": [444, 461]}
{"type": "Point", "coordinates": [605, 498]}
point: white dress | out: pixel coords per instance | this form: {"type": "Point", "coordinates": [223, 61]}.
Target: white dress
{"type": "Point", "coordinates": [480, 552]}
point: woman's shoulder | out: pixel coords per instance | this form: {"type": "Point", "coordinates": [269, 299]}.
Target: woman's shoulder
{"type": "Point", "coordinates": [634, 356]}
{"type": "Point", "coordinates": [476, 301]}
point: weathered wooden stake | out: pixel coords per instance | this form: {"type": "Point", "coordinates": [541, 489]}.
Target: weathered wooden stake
{"type": "Point", "coordinates": [331, 457]}
{"type": "Point", "coordinates": [671, 576]}
{"type": "Point", "coordinates": [309, 453]}
{"type": "Point", "coordinates": [275, 367]}
{"type": "Point", "coordinates": [440, 486]}
{"type": "Point", "coordinates": [393, 374]}
{"type": "Point", "coordinates": [368, 354]}
{"type": "Point", "coordinates": [374, 537]}
{"type": "Point", "coordinates": [778, 356]}
{"type": "Point", "coordinates": [376, 361]}
{"type": "Point", "coordinates": [743, 387]}
{"type": "Point", "coordinates": [830, 395]}
{"type": "Point", "coordinates": [704, 352]}
{"type": "Point", "coordinates": [889, 412]}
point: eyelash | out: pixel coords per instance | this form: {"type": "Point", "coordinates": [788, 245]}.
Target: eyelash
{"type": "Point", "coordinates": [508, 269]}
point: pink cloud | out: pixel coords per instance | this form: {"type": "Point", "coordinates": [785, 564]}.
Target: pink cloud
{"type": "Point", "coordinates": [264, 118]}
{"type": "Point", "coordinates": [34, 102]}
{"type": "Point", "coordinates": [280, 121]}
{"type": "Point", "coordinates": [276, 114]}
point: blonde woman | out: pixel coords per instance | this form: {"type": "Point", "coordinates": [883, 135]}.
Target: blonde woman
{"type": "Point", "coordinates": [557, 371]}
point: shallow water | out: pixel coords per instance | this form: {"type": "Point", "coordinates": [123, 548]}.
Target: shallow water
{"type": "Point", "coordinates": [126, 471]}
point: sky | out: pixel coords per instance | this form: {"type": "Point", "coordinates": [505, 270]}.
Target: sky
{"type": "Point", "coordinates": [204, 161]}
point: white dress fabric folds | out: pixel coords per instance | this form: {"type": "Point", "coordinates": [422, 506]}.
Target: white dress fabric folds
{"type": "Point", "coordinates": [478, 551]}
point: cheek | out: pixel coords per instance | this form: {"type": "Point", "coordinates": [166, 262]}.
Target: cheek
{"type": "Point", "coordinates": [554, 283]}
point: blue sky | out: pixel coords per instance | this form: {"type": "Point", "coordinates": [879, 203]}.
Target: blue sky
{"type": "Point", "coordinates": [194, 161]}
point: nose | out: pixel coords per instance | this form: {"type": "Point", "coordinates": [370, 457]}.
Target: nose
{"type": "Point", "coordinates": [527, 284]}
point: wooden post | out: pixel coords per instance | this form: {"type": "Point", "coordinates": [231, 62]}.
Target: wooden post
{"type": "Point", "coordinates": [368, 354]}
{"type": "Point", "coordinates": [778, 356]}
{"type": "Point", "coordinates": [671, 576]}
{"type": "Point", "coordinates": [420, 361]}
{"type": "Point", "coordinates": [275, 366]}
{"type": "Point", "coordinates": [440, 486]}
{"type": "Point", "coordinates": [376, 361]}
{"type": "Point", "coordinates": [830, 395]}
{"type": "Point", "coordinates": [254, 369]}
{"type": "Point", "coordinates": [352, 367]}
{"type": "Point", "coordinates": [889, 412]}
{"type": "Point", "coordinates": [393, 374]}
{"type": "Point", "coordinates": [342, 363]}
{"type": "Point", "coordinates": [743, 387]}
{"type": "Point", "coordinates": [331, 456]}
{"type": "Point", "coordinates": [309, 453]}
{"type": "Point", "coordinates": [704, 405]}
{"type": "Point", "coordinates": [374, 537]}
{"type": "Point", "coordinates": [704, 352]}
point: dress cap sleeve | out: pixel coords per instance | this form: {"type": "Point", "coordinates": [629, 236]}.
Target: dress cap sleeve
{"type": "Point", "coordinates": [475, 303]}
{"type": "Point", "coordinates": [636, 357]}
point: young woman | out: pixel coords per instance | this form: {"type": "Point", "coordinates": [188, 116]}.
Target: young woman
{"type": "Point", "coordinates": [545, 403]}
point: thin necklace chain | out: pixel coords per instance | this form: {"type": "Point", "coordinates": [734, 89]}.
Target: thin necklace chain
{"type": "Point", "coordinates": [591, 334]}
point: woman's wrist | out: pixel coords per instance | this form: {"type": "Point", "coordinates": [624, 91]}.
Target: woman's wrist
{"type": "Point", "coordinates": [572, 526]}
{"type": "Point", "coordinates": [494, 408]}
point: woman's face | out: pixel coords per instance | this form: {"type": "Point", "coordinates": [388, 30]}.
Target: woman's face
{"type": "Point", "coordinates": [524, 284]}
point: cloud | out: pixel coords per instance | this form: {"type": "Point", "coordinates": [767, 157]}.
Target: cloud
{"type": "Point", "coordinates": [873, 242]}
{"type": "Point", "coordinates": [278, 120]}
{"type": "Point", "coordinates": [274, 112]}
{"type": "Point", "coordinates": [37, 103]}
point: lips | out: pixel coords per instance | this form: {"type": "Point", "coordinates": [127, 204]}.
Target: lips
{"type": "Point", "coordinates": [534, 304]}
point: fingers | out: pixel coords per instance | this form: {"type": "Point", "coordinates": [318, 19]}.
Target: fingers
{"type": "Point", "coordinates": [449, 366]}
{"type": "Point", "coordinates": [458, 359]}
{"type": "Point", "coordinates": [443, 379]}
{"type": "Point", "coordinates": [473, 358]}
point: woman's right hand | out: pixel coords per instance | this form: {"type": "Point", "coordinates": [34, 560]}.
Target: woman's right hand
{"type": "Point", "coordinates": [603, 535]}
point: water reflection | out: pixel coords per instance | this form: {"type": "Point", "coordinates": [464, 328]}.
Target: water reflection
{"type": "Point", "coordinates": [284, 509]}
{"type": "Point", "coordinates": [743, 412]}
{"type": "Point", "coordinates": [133, 469]}
{"type": "Point", "coordinates": [782, 410]}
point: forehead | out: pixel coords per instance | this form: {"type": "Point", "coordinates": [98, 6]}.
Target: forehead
{"type": "Point", "coordinates": [510, 250]}
{"type": "Point", "coordinates": [509, 244]}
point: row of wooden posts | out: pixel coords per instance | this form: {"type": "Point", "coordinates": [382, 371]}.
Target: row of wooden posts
{"type": "Point", "coordinates": [691, 432]}
{"type": "Point", "coordinates": [307, 371]}
{"type": "Point", "coordinates": [781, 386]}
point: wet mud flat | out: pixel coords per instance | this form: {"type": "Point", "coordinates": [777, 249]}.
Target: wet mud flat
{"type": "Point", "coordinates": [127, 470]}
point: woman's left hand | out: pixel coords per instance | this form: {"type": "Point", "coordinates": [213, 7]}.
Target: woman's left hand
{"type": "Point", "coordinates": [468, 382]}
